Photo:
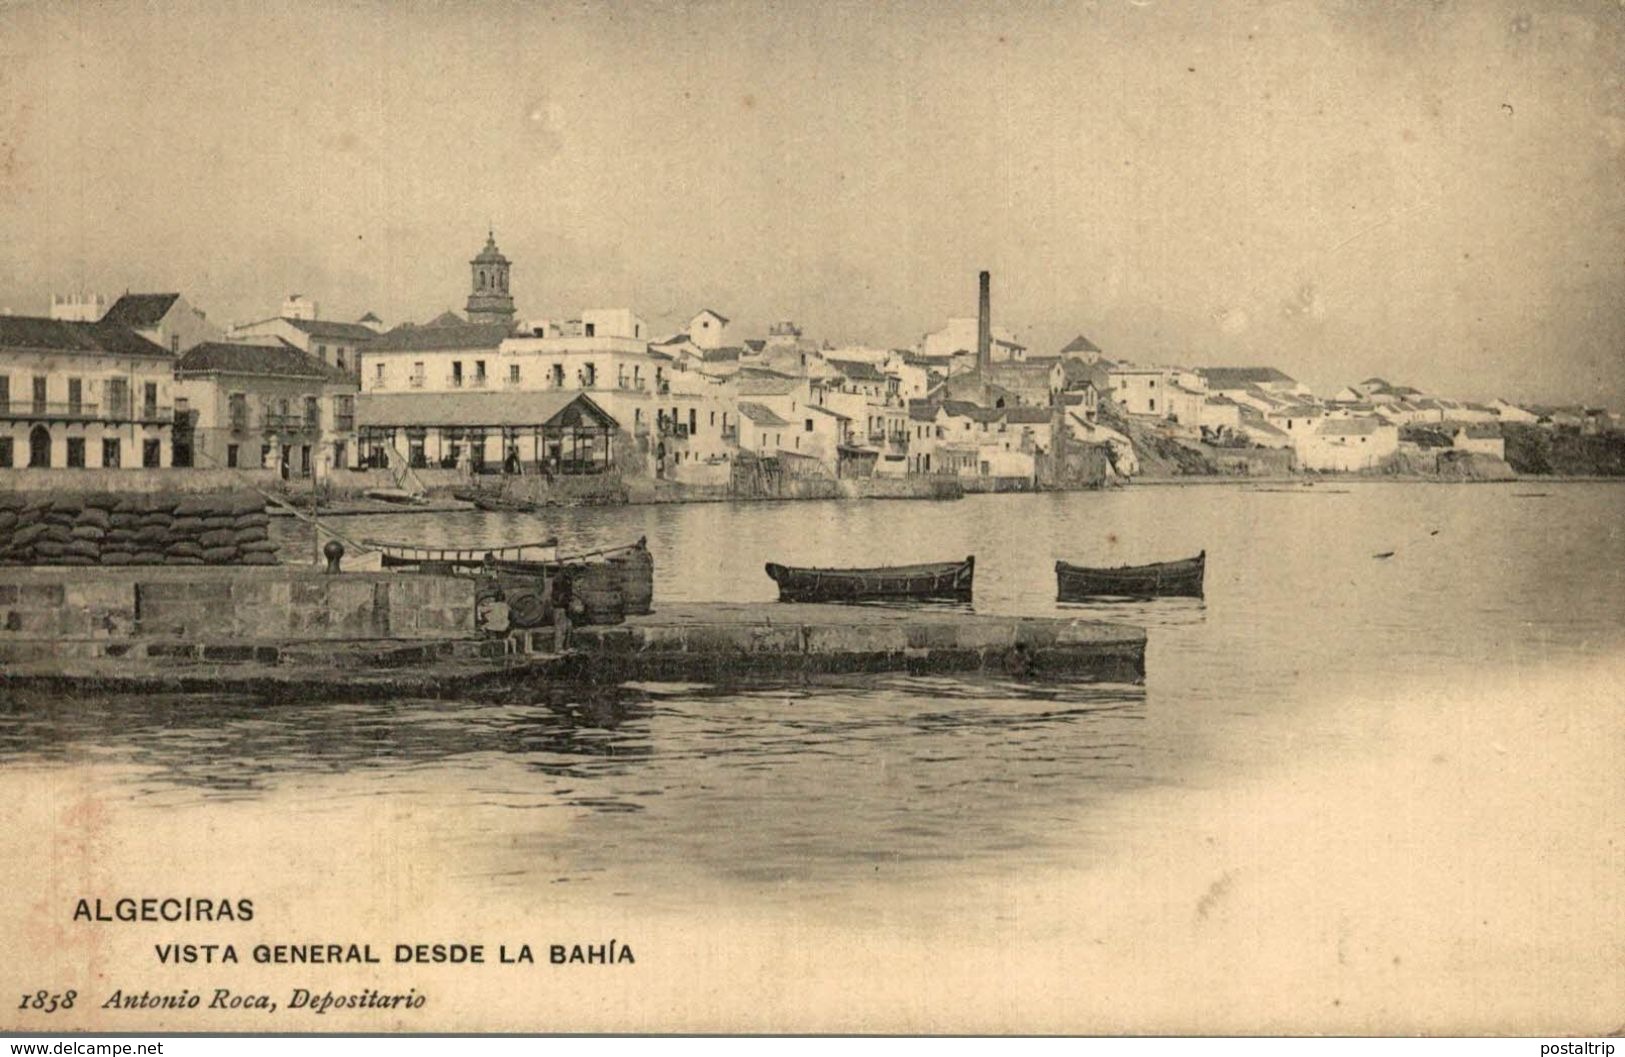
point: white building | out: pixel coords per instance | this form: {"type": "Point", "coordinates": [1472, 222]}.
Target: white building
{"type": "Point", "coordinates": [1347, 445]}
{"type": "Point", "coordinates": [79, 308]}
{"type": "Point", "coordinates": [83, 395]}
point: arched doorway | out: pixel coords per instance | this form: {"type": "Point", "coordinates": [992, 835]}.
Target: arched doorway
{"type": "Point", "coordinates": [39, 447]}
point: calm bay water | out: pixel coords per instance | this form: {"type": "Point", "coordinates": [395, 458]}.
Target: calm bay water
{"type": "Point", "coordinates": [822, 788]}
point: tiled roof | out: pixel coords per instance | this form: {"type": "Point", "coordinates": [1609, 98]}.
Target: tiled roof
{"type": "Point", "coordinates": [140, 310]}
{"type": "Point", "coordinates": [857, 370]}
{"type": "Point", "coordinates": [827, 411]}
{"type": "Point", "coordinates": [490, 408]}
{"type": "Point", "coordinates": [328, 328]}
{"type": "Point", "coordinates": [96, 339]}
{"type": "Point", "coordinates": [974, 412]}
{"type": "Point", "coordinates": [714, 312]}
{"type": "Point", "coordinates": [1240, 377]}
{"type": "Point", "coordinates": [432, 337]}
{"type": "Point", "coordinates": [726, 354]}
{"type": "Point", "coordinates": [675, 339]}
{"type": "Point", "coordinates": [1297, 411]}
{"type": "Point", "coordinates": [1026, 415]}
{"type": "Point", "coordinates": [760, 415]}
{"type": "Point", "coordinates": [765, 385]}
{"type": "Point", "coordinates": [919, 411]}
{"type": "Point", "coordinates": [279, 361]}
{"type": "Point", "coordinates": [1350, 427]}
{"type": "Point", "coordinates": [448, 318]}
{"type": "Point", "coordinates": [1079, 344]}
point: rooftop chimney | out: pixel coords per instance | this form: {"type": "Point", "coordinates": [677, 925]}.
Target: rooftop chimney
{"type": "Point", "coordinates": [984, 324]}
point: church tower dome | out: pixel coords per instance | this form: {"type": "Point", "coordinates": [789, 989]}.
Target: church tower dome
{"type": "Point", "coordinates": [488, 299]}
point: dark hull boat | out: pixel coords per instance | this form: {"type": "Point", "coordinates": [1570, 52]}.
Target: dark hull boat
{"type": "Point", "coordinates": [1180, 579]}
{"type": "Point", "coordinates": [936, 581]}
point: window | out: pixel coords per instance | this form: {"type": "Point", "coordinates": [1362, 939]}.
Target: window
{"type": "Point", "coordinates": [304, 460]}
{"type": "Point", "coordinates": [592, 329]}
{"type": "Point", "coordinates": [338, 455]}
{"type": "Point", "coordinates": [513, 374]}
{"type": "Point", "coordinates": [238, 405]}
{"type": "Point", "coordinates": [6, 454]}
{"type": "Point", "coordinates": [417, 375]}
{"type": "Point", "coordinates": [1151, 382]}
{"type": "Point", "coordinates": [76, 452]}
{"type": "Point", "coordinates": [378, 375]}
{"type": "Point", "coordinates": [76, 395]}
{"type": "Point", "coordinates": [151, 454]}
{"type": "Point", "coordinates": [556, 376]}
{"type": "Point", "coordinates": [40, 393]}
{"type": "Point", "coordinates": [5, 392]}
{"type": "Point", "coordinates": [693, 421]}
{"type": "Point", "coordinates": [231, 456]}
{"type": "Point", "coordinates": [265, 455]}
{"type": "Point", "coordinates": [479, 372]}
{"type": "Point", "coordinates": [110, 452]}
{"type": "Point", "coordinates": [118, 397]}
{"type": "Point", "coordinates": [1151, 405]}
{"type": "Point", "coordinates": [456, 374]}
{"type": "Point", "coordinates": [313, 413]}
{"type": "Point", "coordinates": [343, 413]}
{"type": "Point", "coordinates": [590, 374]}
{"type": "Point", "coordinates": [321, 351]}
{"type": "Point", "coordinates": [174, 344]}
{"type": "Point", "coordinates": [339, 359]}
{"type": "Point", "coordinates": [149, 401]}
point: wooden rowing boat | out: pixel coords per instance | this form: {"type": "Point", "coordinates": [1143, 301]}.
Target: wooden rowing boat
{"type": "Point", "coordinates": [1182, 578]}
{"type": "Point", "coordinates": [406, 555]}
{"type": "Point", "coordinates": [936, 580]}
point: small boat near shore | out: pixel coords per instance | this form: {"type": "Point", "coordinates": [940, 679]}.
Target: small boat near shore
{"type": "Point", "coordinates": [933, 581]}
{"type": "Point", "coordinates": [611, 583]}
{"type": "Point", "coordinates": [1175, 579]}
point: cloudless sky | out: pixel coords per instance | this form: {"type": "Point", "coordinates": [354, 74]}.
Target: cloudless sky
{"type": "Point", "coordinates": [1431, 191]}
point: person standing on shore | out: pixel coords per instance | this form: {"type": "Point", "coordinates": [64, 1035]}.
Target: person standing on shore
{"type": "Point", "coordinates": [562, 596]}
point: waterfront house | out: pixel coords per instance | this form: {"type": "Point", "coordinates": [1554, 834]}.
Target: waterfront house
{"type": "Point", "coordinates": [1348, 444]}
{"type": "Point", "coordinates": [554, 433]}
{"type": "Point", "coordinates": [76, 394]}
{"type": "Point", "coordinates": [267, 405]}
{"type": "Point", "coordinates": [1481, 438]}
{"type": "Point", "coordinates": [1139, 390]}
{"type": "Point", "coordinates": [168, 320]}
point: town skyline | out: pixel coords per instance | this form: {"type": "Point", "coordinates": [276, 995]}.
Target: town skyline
{"type": "Point", "coordinates": [1431, 198]}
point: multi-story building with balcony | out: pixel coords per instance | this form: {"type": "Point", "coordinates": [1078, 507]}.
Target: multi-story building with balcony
{"type": "Point", "coordinates": [271, 406]}
{"type": "Point", "coordinates": [78, 394]}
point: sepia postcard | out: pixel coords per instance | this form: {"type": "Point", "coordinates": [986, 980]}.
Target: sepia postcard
{"type": "Point", "coordinates": [734, 517]}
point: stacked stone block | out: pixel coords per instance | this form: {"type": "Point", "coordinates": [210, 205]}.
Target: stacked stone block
{"type": "Point", "coordinates": [103, 528]}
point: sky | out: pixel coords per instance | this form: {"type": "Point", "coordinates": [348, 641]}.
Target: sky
{"type": "Point", "coordinates": [1432, 192]}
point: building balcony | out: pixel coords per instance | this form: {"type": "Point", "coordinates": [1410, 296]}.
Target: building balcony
{"type": "Point", "coordinates": [274, 423]}
{"type": "Point", "coordinates": [80, 411]}
{"type": "Point", "coordinates": [478, 381]}
{"type": "Point", "coordinates": [678, 430]}
{"type": "Point", "coordinates": [44, 411]}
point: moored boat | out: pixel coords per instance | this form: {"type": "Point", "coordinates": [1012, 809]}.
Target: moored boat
{"type": "Point", "coordinates": [945, 581]}
{"type": "Point", "coordinates": [1175, 579]}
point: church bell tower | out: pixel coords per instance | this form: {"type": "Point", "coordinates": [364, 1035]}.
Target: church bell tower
{"type": "Point", "coordinates": [488, 299]}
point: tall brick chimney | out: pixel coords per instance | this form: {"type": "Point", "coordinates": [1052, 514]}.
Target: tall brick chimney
{"type": "Point", "coordinates": [984, 324]}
